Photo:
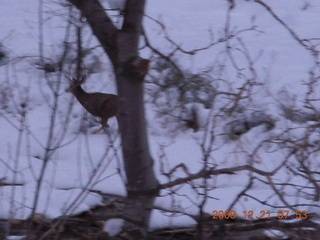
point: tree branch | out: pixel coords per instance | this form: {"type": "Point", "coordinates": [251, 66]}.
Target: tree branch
{"type": "Point", "coordinates": [207, 173]}
{"type": "Point", "coordinates": [302, 42]}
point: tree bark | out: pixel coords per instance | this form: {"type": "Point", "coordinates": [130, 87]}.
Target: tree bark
{"type": "Point", "coordinates": [122, 48]}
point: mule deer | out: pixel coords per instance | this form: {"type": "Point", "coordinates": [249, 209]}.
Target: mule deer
{"type": "Point", "coordinates": [101, 105]}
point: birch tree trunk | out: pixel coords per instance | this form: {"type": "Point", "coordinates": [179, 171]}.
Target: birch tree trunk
{"type": "Point", "coordinates": [122, 48]}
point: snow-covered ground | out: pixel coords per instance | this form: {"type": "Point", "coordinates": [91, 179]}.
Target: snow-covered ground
{"type": "Point", "coordinates": [87, 161]}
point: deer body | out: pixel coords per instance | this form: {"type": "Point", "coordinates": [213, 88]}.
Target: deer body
{"type": "Point", "coordinates": [101, 105]}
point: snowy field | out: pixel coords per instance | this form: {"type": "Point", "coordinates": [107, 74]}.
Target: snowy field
{"type": "Point", "coordinates": [83, 161]}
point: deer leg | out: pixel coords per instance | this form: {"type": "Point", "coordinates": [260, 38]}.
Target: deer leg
{"type": "Point", "coordinates": [104, 124]}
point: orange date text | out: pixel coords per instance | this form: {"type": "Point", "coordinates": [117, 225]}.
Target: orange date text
{"type": "Point", "coordinates": [263, 214]}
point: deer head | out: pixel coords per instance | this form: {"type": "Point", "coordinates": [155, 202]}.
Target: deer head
{"type": "Point", "coordinates": [74, 83]}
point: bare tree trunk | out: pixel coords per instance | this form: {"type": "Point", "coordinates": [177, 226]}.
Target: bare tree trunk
{"type": "Point", "coordinates": [122, 48]}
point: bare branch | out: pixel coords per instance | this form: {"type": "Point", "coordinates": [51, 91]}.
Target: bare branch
{"type": "Point", "coordinates": [302, 42]}
{"type": "Point", "coordinates": [207, 173]}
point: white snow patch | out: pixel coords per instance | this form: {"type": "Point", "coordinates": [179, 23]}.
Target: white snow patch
{"type": "Point", "coordinates": [113, 226]}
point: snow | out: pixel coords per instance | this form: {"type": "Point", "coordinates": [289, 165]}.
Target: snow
{"type": "Point", "coordinates": [15, 237]}
{"type": "Point", "coordinates": [113, 226]}
{"type": "Point", "coordinates": [161, 220]}
{"type": "Point", "coordinates": [86, 161]}
{"type": "Point", "coordinates": [276, 233]}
